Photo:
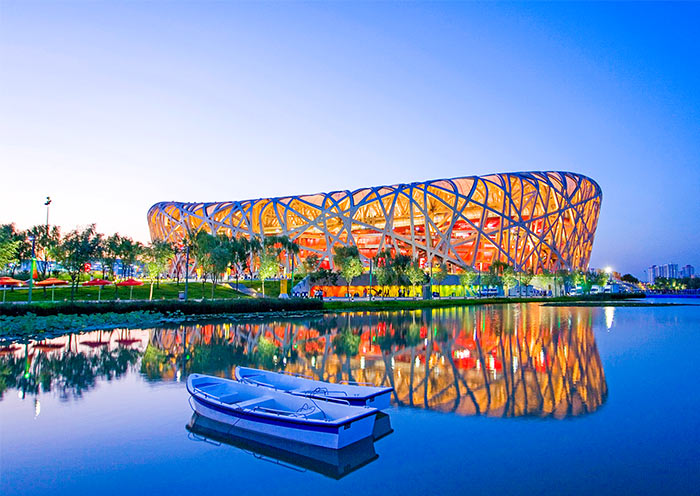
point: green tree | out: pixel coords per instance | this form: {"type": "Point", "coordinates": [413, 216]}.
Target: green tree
{"type": "Point", "coordinates": [8, 246]}
{"type": "Point", "coordinates": [213, 256]}
{"type": "Point", "coordinates": [467, 277]}
{"type": "Point", "coordinates": [347, 260]}
{"type": "Point", "coordinates": [157, 256]}
{"type": "Point", "coordinates": [238, 249]}
{"type": "Point", "coordinates": [129, 252]}
{"type": "Point", "coordinates": [439, 273]}
{"type": "Point", "coordinates": [269, 267]}
{"type": "Point", "coordinates": [401, 265]}
{"type": "Point", "coordinates": [284, 249]}
{"type": "Point", "coordinates": [311, 264]}
{"type": "Point", "coordinates": [415, 274]}
{"type": "Point", "coordinates": [46, 242]}
{"type": "Point", "coordinates": [280, 245]}
{"type": "Point", "coordinates": [254, 247]}
{"type": "Point", "coordinates": [22, 246]}
{"type": "Point", "coordinates": [525, 278]}
{"type": "Point", "coordinates": [384, 267]}
{"type": "Point", "coordinates": [76, 249]}
{"type": "Point", "coordinates": [219, 260]}
{"type": "Point", "coordinates": [630, 279]}
{"type": "Point", "coordinates": [599, 278]}
{"type": "Point", "coordinates": [495, 274]}
{"type": "Point", "coordinates": [586, 279]}
{"type": "Point", "coordinates": [491, 279]}
{"type": "Point", "coordinates": [508, 279]}
{"type": "Point", "coordinates": [110, 254]}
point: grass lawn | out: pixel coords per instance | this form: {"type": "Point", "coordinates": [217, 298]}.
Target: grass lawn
{"type": "Point", "coordinates": [166, 291]}
{"type": "Point", "coordinates": [272, 288]}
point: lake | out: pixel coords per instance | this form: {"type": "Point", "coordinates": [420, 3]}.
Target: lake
{"type": "Point", "coordinates": [499, 399]}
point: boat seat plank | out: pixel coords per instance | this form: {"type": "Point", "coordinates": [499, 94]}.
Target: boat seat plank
{"type": "Point", "coordinates": [209, 385]}
{"type": "Point", "coordinates": [254, 402]}
{"type": "Point", "coordinates": [230, 398]}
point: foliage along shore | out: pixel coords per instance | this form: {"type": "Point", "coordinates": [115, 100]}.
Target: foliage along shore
{"type": "Point", "coordinates": [204, 307]}
{"type": "Point", "coordinates": [616, 304]}
{"type": "Point", "coordinates": [43, 320]}
{"type": "Point", "coordinates": [254, 305]}
{"type": "Point", "coordinates": [18, 327]}
{"type": "Point", "coordinates": [390, 304]}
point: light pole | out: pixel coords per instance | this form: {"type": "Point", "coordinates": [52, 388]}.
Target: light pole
{"type": "Point", "coordinates": [31, 270]}
{"type": "Point", "coordinates": [187, 268]}
{"type": "Point", "coordinates": [47, 203]}
{"type": "Point", "coordinates": [520, 268]}
{"type": "Point", "coordinates": [479, 282]}
{"type": "Point", "coordinates": [370, 279]}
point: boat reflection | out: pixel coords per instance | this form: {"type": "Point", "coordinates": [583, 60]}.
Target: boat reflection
{"type": "Point", "coordinates": [496, 360]}
{"type": "Point", "coordinates": [332, 463]}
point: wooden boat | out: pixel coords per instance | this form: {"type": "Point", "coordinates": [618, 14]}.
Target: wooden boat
{"type": "Point", "coordinates": [275, 413]}
{"type": "Point", "coordinates": [333, 463]}
{"type": "Point", "coordinates": [355, 394]}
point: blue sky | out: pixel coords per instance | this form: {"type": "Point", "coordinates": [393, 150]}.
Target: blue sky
{"type": "Point", "coordinates": [110, 107]}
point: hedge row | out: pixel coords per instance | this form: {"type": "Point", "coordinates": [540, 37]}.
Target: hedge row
{"type": "Point", "coordinates": [164, 306]}
{"type": "Point", "coordinates": [391, 304]}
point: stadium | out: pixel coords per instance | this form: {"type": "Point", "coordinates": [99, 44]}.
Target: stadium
{"type": "Point", "coordinates": [531, 220]}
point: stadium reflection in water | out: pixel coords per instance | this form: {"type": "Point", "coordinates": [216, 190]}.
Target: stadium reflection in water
{"type": "Point", "coordinates": [503, 361]}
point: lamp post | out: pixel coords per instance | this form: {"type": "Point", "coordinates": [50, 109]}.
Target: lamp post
{"type": "Point", "coordinates": [31, 270]}
{"type": "Point", "coordinates": [481, 269]}
{"type": "Point", "coordinates": [519, 266]}
{"type": "Point", "coordinates": [187, 268]}
{"type": "Point", "coordinates": [370, 279]}
{"type": "Point", "coordinates": [47, 203]}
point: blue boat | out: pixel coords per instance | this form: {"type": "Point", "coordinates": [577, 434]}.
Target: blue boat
{"type": "Point", "coordinates": [264, 410]}
{"type": "Point", "coordinates": [355, 394]}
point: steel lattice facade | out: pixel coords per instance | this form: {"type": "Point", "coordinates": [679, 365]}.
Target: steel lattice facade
{"type": "Point", "coordinates": [531, 220]}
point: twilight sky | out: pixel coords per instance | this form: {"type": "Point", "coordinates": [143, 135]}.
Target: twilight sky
{"type": "Point", "coordinates": [110, 107]}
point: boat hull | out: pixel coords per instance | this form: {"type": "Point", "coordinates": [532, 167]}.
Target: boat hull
{"type": "Point", "coordinates": [353, 394]}
{"type": "Point", "coordinates": [381, 401]}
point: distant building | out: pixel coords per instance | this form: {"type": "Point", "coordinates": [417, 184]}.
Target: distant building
{"type": "Point", "coordinates": [669, 271]}
{"type": "Point", "coordinates": [652, 274]}
{"type": "Point", "coordinates": [688, 271]}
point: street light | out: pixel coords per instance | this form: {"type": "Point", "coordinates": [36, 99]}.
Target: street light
{"type": "Point", "coordinates": [479, 282]}
{"type": "Point", "coordinates": [47, 203]}
{"type": "Point", "coordinates": [187, 268]}
{"type": "Point", "coordinates": [31, 270]}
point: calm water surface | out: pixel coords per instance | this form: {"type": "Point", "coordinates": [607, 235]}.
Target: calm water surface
{"type": "Point", "coordinates": [519, 399]}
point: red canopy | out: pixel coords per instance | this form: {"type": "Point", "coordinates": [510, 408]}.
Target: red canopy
{"type": "Point", "coordinates": [51, 281]}
{"type": "Point", "coordinates": [130, 282]}
{"type": "Point", "coordinates": [97, 282]}
{"type": "Point", "coordinates": [8, 281]}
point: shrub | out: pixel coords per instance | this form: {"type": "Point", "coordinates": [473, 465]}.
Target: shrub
{"type": "Point", "coordinates": [165, 306]}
